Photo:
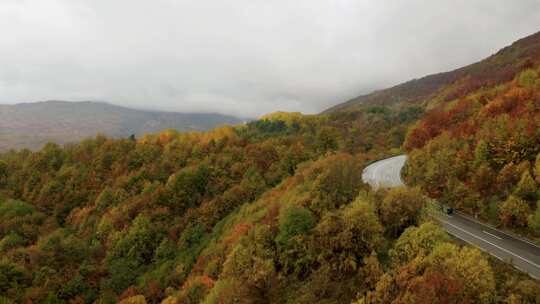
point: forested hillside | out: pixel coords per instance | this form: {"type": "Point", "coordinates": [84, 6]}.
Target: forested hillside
{"type": "Point", "coordinates": [275, 211]}
{"type": "Point", "coordinates": [481, 153]}
{"type": "Point", "coordinates": [498, 68]}
{"type": "Point", "coordinates": [107, 219]}
{"type": "Point", "coordinates": [477, 146]}
{"type": "Point", "coordinates": [271, 212]}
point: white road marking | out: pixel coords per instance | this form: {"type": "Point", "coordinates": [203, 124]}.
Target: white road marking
{"type": "Point", "coordinates": [386, 173]}
{"type": "Point", "coordinates": [494, 245]}
{"type": "Point", "coordinates": [501, 259]}
{"type": "Point", "coordinates": [512, 236]}
{"type": "Point", "coordinates": [493, 235]}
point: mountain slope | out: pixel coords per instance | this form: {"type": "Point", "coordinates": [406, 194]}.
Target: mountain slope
{"type": "Point", "coordinates": [273, 211]}
{"type": "Point", "coordinates": [498, 68]}
{"type": "Point", "coordinates": [30, 125]}
{"type": "Point", "coordinates": [481, 153]}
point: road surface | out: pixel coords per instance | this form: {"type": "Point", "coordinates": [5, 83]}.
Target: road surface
{"type": "Point", "coordinates": [524, 255]}
{"type": "Point", "coordinates": [385, 173]}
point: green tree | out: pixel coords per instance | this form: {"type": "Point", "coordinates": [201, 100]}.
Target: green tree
{"type": "Point", "coordinates": [105, 199]}
{"type": "Point", "coordinates": [10, 241]}
{"type": "Point", "coordinates": [50, 158]}
{"type": "Point", "coordinates": [62, 248]}
{"type": "Point", "coordinates": [138, 243]}
{"type": "Point", "coordinates": [130, 253]}
{"type": "Point", "coordinates": [187, 187]}
{"type": "Point", "coordinates": [11, 277]}
{"type": "Point", "coordinates": [327, 139]}
{"type": "Point", "coordinates": [481, 153]}
{"type": "Point", "coordinates": [294, 221]}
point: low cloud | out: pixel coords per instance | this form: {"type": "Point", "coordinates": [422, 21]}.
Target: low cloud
{"type": "Point", "coordinates": [242, 57]}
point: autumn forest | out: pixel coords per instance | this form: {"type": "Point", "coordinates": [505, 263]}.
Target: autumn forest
{"type": "Point", "coordinates": [275, 210]}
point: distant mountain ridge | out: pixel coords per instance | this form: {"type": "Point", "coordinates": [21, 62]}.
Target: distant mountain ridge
{"type": "Point", "coordinates": [30, 125]}
{"type": "Point", "coordinates": [495, 69]}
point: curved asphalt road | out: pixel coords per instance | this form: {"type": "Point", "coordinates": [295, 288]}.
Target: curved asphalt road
{"type": "Point", "coordinates": [385, 173]}
{"type": "Point", "coordinates": [524, 255]}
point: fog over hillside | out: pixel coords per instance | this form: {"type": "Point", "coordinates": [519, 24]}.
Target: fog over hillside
{"type": "Point", "coordinates": [242, 57]}
{"type": "Point", "coordinates": [30, 125]}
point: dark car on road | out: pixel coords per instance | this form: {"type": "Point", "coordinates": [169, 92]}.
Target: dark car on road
{"type": "Point", "coordinates": [447, 209]}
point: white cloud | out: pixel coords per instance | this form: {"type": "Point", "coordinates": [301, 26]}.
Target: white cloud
{"type": "Point", "coordinates": [244, 57]}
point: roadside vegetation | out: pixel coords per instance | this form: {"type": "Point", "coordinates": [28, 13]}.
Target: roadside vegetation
{"type": "Point", "coordinates": [481, 154]}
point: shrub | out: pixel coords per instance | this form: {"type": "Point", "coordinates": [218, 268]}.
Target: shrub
{"type": "Point", "coordinates": [294, 221]}
{"type": "Point", "coordinates": [10, 241]}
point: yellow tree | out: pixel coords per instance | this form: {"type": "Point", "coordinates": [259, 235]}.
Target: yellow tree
{"type": "Point", "coordinates": [513, 212]}
{"type": "Point", "coordinates": [449, 274]}
{"type": "Point", "coordinates": [526, 188]}
{"type": "Point", "coordinates": [417, 241]}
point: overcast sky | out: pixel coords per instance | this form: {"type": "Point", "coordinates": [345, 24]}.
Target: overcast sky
{"type": "Point", "coordinates": [243, 57]}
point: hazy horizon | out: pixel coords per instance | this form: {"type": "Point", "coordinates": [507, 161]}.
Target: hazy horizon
{"type": "Point", "coordinates": [242, 58]}
{"type": "Point", "coordinates": [141, 108]}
